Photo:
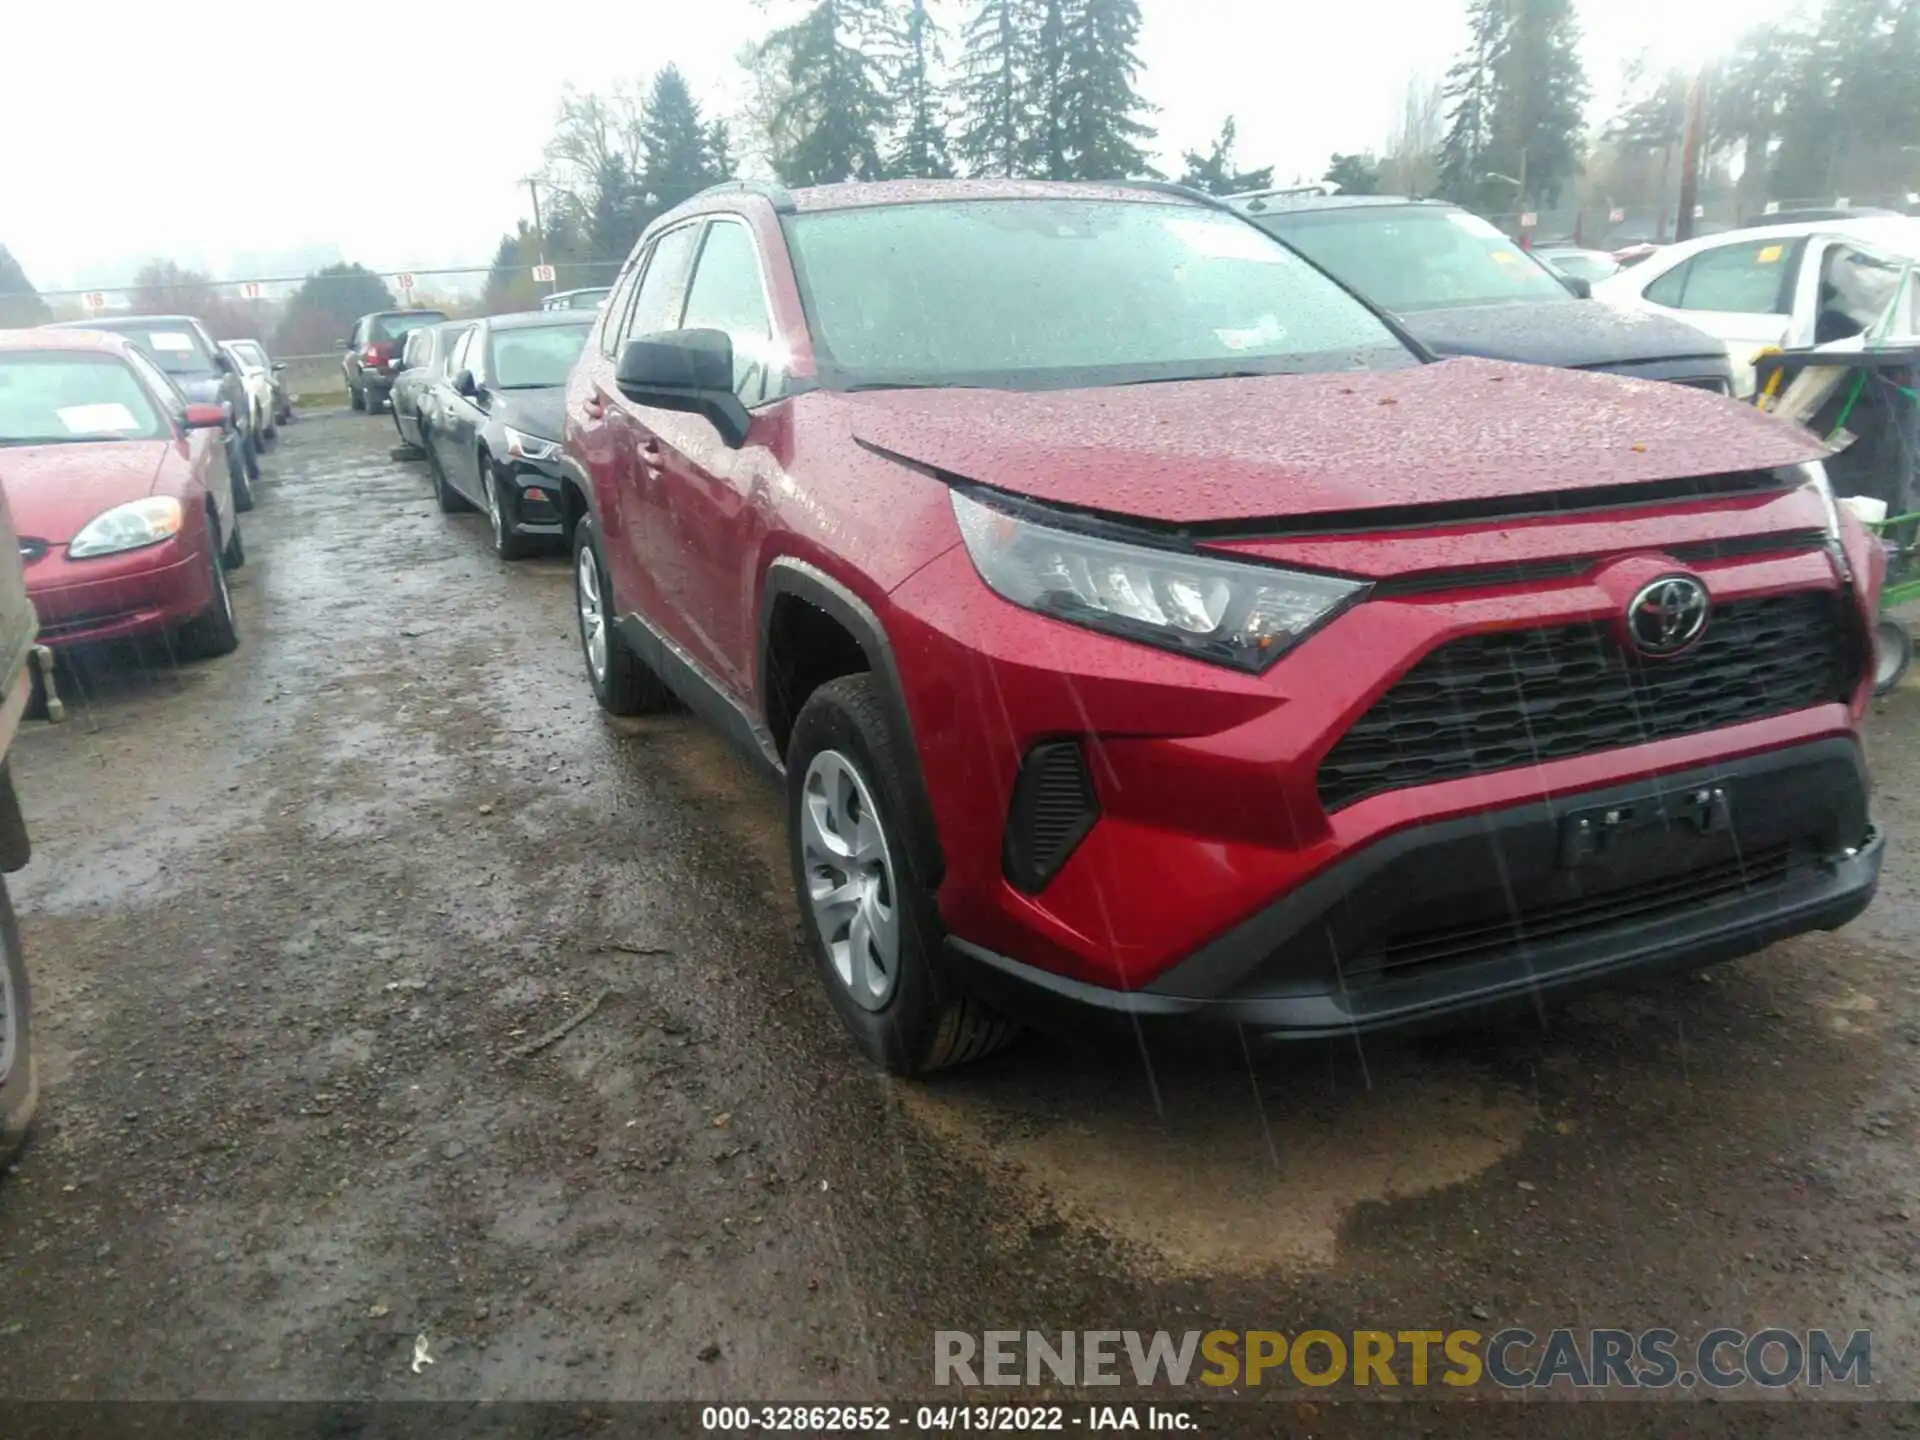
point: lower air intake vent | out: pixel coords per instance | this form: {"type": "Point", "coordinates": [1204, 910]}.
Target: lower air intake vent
{"type": "Point", "coordinates": [1053, 809]}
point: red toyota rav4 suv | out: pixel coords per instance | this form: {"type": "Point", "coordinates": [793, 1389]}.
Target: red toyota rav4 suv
{"type": "Point", "coordinates": [1143, 622]}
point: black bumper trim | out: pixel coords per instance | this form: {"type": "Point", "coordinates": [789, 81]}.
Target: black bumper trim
{"type": "Point", "coordinates": [1223, 980]}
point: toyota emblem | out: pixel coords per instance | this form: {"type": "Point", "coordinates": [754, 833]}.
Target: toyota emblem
{"type": "Point", "coordinates": [1668, 616]}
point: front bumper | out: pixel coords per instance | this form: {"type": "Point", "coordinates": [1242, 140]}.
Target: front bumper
{"type": "Point", "coordinates": [115, 597]}
{"type": "Point", "coordinates": [1497, 910]}
{"type": "Point", "coordinates": [534, 498]}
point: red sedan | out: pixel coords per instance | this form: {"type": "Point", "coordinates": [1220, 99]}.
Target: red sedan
{"type": "Point", "coordinates": [119, 491]}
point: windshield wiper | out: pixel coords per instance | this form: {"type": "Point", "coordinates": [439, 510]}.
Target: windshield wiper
{"type": "Point", "coordinates": [60, 439]}
{"type": "Point", "coordinates": [1208, 375]}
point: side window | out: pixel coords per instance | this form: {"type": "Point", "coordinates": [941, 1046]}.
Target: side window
{"type": "Point", "coordinates": [616, 306]}
{"type": "Point", "coordinates": [359, 336]}
{"type": "Point", "coordinates": [726, 294]}
{"type": "Point", "coordinates": [656, 305]}
{"type": "Point", "coordinates": [476, 360]}
{"type": "Point", "coordinates": [415, 348]}
{"type": "Point", "coordinates": [458, 360]}
{"type": "Point", "coordinates": [1856, 292]}
{"type": "Point", "coordinates": [1745, 279]}
{"type": "Point", "coordinates": [1670, 287]}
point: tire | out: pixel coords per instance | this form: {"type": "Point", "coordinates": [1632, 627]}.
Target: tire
{"type": "Point", "coordinates": [903, 1010]}
{"type": "Point", "coordinates": [1892, 653]}
{"type": "Point", "coordinates": [356, 397]}
{"type": "Point", "coordinates": [214, 631]}
{"type": "Point", "coordinates": [235, 554]}
{"type": "Point", "coordinates": [19, 1086]}
{"type": "Point", "coordinates": [250, 458]}
{"type": "Point", "coordinates": [506, 544]}
{"type": "Point", "coordinates": [243, 489]}
{"type": "Point", "coordinates": [621, 681]}
{"type": "Point", "coordinates": [450, 500]}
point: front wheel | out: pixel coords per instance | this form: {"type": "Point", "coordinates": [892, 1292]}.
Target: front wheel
{"type": "Point", "coordinates": [500, 517]}
{"type": "Point", "coordinates": [869, 919]}
{"type": "Point", "coordinates": [18, 1082]}
{"type": "Point", "coordinates": [621, 681]}
{"type": "Point", "coordinates": [1892, 653]}
{"type": "Point", "coordinates": [215, 630]}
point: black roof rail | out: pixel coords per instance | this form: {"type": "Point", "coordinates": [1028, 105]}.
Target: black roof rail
{"type": "Point", "coordinates": [775, 195]}
{"type": "Point", "coordinates": [1174, 187]}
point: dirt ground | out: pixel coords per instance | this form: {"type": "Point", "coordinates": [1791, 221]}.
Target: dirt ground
{"type": "Point", "coordinates": [298, 920]}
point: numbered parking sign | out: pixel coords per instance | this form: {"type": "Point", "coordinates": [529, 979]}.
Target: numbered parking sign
{"type": "Point", "coordinates": [251, 289]}
{"type": "Point", "coordinates": [94, 300]}
{"type": "Point", "coordinates": [543, 274]}
{"type": "Point", "coordinates": [1529, 220]}
{"type": "Point", "coordinates": [1616, 215]}
{"type": "Point", "coordinates": [404, 280]}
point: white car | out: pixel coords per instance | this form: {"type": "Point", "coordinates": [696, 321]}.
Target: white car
{"type": "Point", "coordinates": [1777, 285]}
{"type": "Point", "coordinates": [262, 404]}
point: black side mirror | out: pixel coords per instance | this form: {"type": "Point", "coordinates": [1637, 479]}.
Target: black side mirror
{"type": "Point", "coordinates": [278, 366]}
{"type": "Point", "coordinates": [465, 384]}
{"type": "Point", "coordinates": [1581, 289]}
{"type": "Point", "coordinates": [346, 344]}
{"type": "Point", "coordinates": [686, 370]}
{"type": "Point", "coordinates": [223, 363]}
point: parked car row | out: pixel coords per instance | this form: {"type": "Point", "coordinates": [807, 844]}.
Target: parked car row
{"type": "Point", "coordinates": [1160, 616]}
{"type": "Point", "coordinates": [127, 458]}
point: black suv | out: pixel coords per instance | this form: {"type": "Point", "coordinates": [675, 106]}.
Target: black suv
{"type": "Point", "coordinates": [373, 353]}
{"type": "Point", "coordinates": [1464, 288]}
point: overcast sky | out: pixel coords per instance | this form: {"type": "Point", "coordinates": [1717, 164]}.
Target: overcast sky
{"type": "Point", "coordinates": [400, 136]}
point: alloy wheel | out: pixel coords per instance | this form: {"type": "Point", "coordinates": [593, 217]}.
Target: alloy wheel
{"type": "Point", "coordinates": [850, 879]}
{"type": "Point", "coordinates": [494, 519]}
{"type": "Point", "coordinates": [9, 1022]}
{"type": "Point", "coordinates": [593, 618]}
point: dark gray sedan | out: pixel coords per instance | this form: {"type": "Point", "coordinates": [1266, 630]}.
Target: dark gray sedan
{"type": "Point", "coordinates": [423, 361]}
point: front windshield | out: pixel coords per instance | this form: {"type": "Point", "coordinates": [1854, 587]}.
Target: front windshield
{"type": "Point", "coordinates": [50, 397]}
{"type": "Point", "coordinates": [1416, 257]}
{"type": "Point", "coordinates": [1034, 294]}
{"type": "Point", "coordinates": [534, 356]}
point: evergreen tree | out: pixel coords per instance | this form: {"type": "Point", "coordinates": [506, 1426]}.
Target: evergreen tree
{"type": "Point", "coordinates": [720, 150]}
{"type": "Point", "coordinates": [1853, 107]}
{"type": "Point", "coordinates": [1047, 147]}
{"type": "Point", "coordinates": [1357, 174]}
{"type": "Point", "coordinates": [1098, 108]}
{"type": "Point", "coordinates": [921, 151]}
{"type": "Point", "coordinates": [998, 120]}
{"type": "Point", "coordinates": [835, 110]}
{"type": "Point", "coordinates": [1214, 172]}
{"type": "Point", "coordinates": [1469, 95]}
{"type": "Point", "coordinates": [676, 144]}
{"type": "Point", "coordinates": [20, 304]}
{"type": "Point", "coordinates": [1516, 93]}
{"type": "Point", "coordinates": [1540, 91]}
{"type": "Point", "coordinates": [617, 213]}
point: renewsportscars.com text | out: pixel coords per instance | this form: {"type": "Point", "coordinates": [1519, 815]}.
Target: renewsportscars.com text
{"type": "Point", "coordinates": [1513, 1359]}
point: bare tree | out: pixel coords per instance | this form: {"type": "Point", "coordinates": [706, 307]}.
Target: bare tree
{"type": "Point", "coordinates": [592, 135]}
{"type": "Point", "coordinates": [765, 120]}
{"type": "Point", "coordinates": [1410, 165]}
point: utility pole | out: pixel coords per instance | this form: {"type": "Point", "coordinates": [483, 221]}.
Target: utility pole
{"type": "Point", "coordinates": [539, 232]}
{"type": "Point", "coordinates": [1690, 156]}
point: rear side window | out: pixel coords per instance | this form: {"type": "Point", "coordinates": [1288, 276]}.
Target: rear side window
{"type": "Point", "coordinates": [392, 327]}
{"type": "Point", "coordinates": [1745, 279]}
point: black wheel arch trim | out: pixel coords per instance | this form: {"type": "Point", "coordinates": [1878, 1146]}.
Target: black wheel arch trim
{"type": "Point", "coordinates": [788, 576]}
{"type": "Point", "coordinates": [574, 477]}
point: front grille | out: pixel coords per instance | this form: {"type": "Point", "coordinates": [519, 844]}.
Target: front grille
{"type": "Point", "coordinates": [1520, 697]}
{"type": "Point", "coordinates": [1054, 806]}
{"type": "Point", "coordinates": [1412, 942]}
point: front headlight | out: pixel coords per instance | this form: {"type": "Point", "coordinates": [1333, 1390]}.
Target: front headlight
{"type": "Point", "coordinates": [128, 527]}
{"type": "Point", "coordinates": [1246, 616]}
{"type": "Point", "coordinates": [522, 446]}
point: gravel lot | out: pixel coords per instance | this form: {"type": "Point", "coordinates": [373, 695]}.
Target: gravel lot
{"type": "Point", "coordinates": [299, 918]}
